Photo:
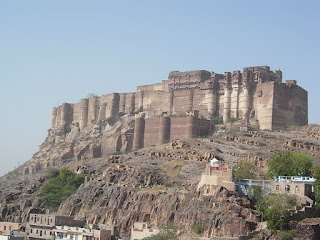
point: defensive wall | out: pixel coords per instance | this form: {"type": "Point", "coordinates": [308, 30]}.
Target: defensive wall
{"type": "Point", "coordinates": [160, 130]}
{"type": "Point", "coordinates": [257, 92]}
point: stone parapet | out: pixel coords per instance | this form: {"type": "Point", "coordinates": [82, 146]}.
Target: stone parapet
{"type": "Point", "coordinates": [257, 93]}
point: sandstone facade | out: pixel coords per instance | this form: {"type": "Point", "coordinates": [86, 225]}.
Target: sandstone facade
{"type": "Point", "coordinates": [256, 93]}
{"type": "Point", "coordinates": [153, 131]}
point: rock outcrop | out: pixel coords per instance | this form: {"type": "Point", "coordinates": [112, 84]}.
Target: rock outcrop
{"type": "Point", "coordinates": [221, 212]}
{"type": "Point", "coordinates": [155, 184]}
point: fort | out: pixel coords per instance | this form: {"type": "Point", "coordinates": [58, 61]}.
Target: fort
{"type": "Point", "coordinates": [184, 105]}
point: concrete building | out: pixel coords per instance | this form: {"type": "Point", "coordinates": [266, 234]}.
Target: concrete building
{"type": "Point", "coordinates": [141, 230]}
{"type": "Point", "coordinates": [217, 174]}
{"type": "Point", "coordinates": [4, 237]}
{"type": "Point", "coordinates": [75, 233]}
{"type": "Point", "coordinates": [41, 225]}
{"type": "Point", "coordinates": [8, 227]}
{"type": "Point", "coordinates": [301, 187]}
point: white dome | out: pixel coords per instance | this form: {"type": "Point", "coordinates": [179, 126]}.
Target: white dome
{"type": "Point", "coordinates": [214, 162]}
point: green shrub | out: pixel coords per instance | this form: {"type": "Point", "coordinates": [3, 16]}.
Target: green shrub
{"type": "Point", "coordinates": [277, 219]}
{"type": "Point", "coordinates": [51, 173]}
{"type": "Point", "coordinates": [232, 120]}
{"type": "Point", "coordinates": [289, 163]}
{"type": "Point", "coordinates": [276, 210]}
{"type": "Point", "coordinates": [217, 120]}
{"type": "Point", "coordinates": [168, 232]}
{"type": "Point", "coordinates": [245, 170]}
{"type": "Point", "coordinates": [117, 153]}
{"type": "Point", "coordinates": [197, 228]}
{"type": "Point", "coordinates": [59, 188]}
{"type": "Point", "coordinates": [316, 175]}
{"type": "Point", "coordinates": [287, 235]}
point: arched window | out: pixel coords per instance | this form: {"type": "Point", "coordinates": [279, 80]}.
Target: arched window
{"type": "Point", "coordinates": [287, 189]}
{"type": "Point", "coordinates": [297, 189]}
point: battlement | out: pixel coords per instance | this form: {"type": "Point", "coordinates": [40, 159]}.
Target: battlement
{"type": "Point", "coordinates": [256, 94]}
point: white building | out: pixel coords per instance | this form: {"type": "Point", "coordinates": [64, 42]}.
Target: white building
{"type": "Point", "coordinates": [141, 230]}
{"type": "Point", "coordinates": [77, 233]}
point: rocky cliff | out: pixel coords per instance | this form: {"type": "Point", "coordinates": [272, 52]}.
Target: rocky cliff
{"type": "Point", "coordinates": [155, 184]}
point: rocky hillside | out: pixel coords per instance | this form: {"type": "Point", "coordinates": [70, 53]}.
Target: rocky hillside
{"type": "Point", "coordinates": [156, 184]}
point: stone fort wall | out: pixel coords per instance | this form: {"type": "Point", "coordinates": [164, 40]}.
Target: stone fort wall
{"type": "Point", "coordinates": [160, 130]}
{"type": "Point", "coordinates": [256, 93]}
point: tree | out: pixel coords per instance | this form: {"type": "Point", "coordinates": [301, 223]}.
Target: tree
{"type": "Point", "coordinates": [276, 210]}
{"type": "Point", "coordinates": [289, 163]}
{"type": "Point", "coordinates": [51, 173]}
{"type": "Point", "coordinates": [316, 175]}
{"type": "Point", "coordinates": [245, 170]}
{"type": "Point", "coordinates": [60, 187]}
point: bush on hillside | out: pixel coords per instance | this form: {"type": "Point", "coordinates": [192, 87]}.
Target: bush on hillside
{"type": "Point", "coordinates": [289, 163]}
{"type": "Point", "coordinates": [245, 170]}
{"type": "Point", "coordinates": [59, 188]}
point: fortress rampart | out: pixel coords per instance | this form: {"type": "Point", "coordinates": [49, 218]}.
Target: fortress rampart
{"type": "Point", "coordinates": [257, 93]}
{"type": "Point", "coordinates": [160, 130]}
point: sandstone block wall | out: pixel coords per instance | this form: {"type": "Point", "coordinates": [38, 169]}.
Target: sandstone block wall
{"type": "Point", "coordinates": [257, 92]}
{"type": "Point", "coordinates": [94, 109]}
{"type": "Point", "coordinates": [290, 105]}
{"type": "Point", "coordinates": [153, 131]}
{"type": "Point", "coordinates": [263, 104]}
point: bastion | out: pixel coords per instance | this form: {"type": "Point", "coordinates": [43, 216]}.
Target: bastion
{"type": "Point", "coordinates": [256, 95]}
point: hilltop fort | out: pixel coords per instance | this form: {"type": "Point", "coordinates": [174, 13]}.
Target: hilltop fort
{"type": "Point", "coordinates": [170, 124]}
{"type": "Point", "coordinates": [257, 96]}
{"type": "Point", "coordinates": [181, 107]}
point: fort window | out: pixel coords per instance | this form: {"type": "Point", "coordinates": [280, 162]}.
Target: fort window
{"type": "Point", "coordinates": [297, 188]}
{"type": "Point", "coordinates": [5, 228]}
{"type": "Point", "coordinates": [277, 188]}
{"type": "Point", "coordinates": [287, 189]}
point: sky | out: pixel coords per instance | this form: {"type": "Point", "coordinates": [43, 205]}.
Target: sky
{"type": "Point", "coordinates": [60, 51]}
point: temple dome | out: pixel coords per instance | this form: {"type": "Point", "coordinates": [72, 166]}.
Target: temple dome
{"type": "Point", "coordinates": [214, 162]}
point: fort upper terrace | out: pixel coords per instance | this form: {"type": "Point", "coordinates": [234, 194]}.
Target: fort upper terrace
{"type": "Point", "coordinates": [256, 95]}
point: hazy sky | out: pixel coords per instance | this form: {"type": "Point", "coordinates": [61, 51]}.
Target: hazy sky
{"type": "Point", "coordinates": [60, 51]}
